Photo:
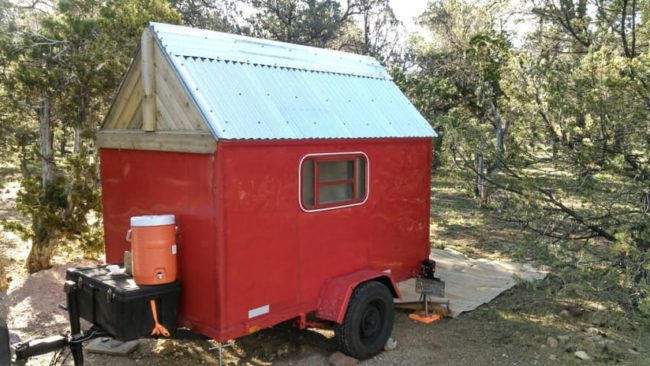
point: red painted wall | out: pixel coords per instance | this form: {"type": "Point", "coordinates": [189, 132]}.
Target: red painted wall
{"type": "Point", "coordinates": [279, 255]}
{"type": "Point", "coordinates": [149, 183]}
{"type": "Point", "coordinates": [245, 242]}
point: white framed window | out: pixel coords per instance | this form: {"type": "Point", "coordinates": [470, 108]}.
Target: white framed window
{"type": "Point", "coordinates": [333, 180]}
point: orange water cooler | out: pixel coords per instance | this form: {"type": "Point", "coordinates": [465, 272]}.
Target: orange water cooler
{"type": "Point", "coordinates": [153, 248]}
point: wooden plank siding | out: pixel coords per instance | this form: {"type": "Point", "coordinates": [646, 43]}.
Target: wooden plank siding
{"type": "Point", "coordinates": [181, 111]}
{"type": "Point", "coordinates": [177, 124]}
{"type": "Point", "coordinates": [128, 99]}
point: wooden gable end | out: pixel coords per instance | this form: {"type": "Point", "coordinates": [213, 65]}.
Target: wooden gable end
{"type": "Point", "coordinates": [152, 110]}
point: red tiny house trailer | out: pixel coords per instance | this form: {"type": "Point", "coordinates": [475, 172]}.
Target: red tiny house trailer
{"type": "Point", "coordinates": [268, 214]}
{"type": "Point", "coordinates": [287, 205]}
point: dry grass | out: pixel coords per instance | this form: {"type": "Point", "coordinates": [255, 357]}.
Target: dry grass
{"type": "Point", "coordinates": [531, 312]}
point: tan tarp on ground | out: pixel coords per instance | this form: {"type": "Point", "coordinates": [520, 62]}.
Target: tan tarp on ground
{"type": "Point", "coordinates": [470, 283]}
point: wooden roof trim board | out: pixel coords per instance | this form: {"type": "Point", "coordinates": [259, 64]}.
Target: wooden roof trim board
{"type": "Point", "coordinates": [199, 142]}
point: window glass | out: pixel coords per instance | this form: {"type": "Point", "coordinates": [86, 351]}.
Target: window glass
{"type": "Point", "coordinates": [335, 193]}
{"type": "Point", "coordinates": [335, 170]}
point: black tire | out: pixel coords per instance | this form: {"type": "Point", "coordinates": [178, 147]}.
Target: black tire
{"type": "Point", "coordinates": [5, 355]}
{"type": "Point", "coordinates": [368, 321]}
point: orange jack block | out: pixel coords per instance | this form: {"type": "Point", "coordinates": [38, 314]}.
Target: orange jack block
{"type": "Point", "coordinates": [422, 317]}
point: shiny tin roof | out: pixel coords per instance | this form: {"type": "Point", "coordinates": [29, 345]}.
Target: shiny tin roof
{"type": "Point", "coordinates": [248, 88]}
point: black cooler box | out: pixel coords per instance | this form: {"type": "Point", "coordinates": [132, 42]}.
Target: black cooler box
{"type": "Point", "coordinates": [119, 306]}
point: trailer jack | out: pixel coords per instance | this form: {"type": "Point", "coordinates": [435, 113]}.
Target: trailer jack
{"type": "Point", "coordinates": [428, 286]}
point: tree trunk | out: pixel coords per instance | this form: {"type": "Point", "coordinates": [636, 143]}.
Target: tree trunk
{"type": "Point", "coordinates": [81, 114]}
{"type": "Point", "coordinates": [24, 168]}
{"type": "Point", "coordinates": [77, 139]}
{"type": "Point", "coordinates": [42, 249]}
{"type": "Point", "coordinates": [498, 163]}
{"type": "Point", "coordinates": [481, 189]}
{"type": "Point", "coordinates": [500, 130]}
{"type": "Point", "coordinates": [366, 34]}
{"type": "Point", "coordinates": [63, 144]}
{"type": "Point", "coordinates": [45, 135]}
{"type": "Point", "coordinates": [40, 255]}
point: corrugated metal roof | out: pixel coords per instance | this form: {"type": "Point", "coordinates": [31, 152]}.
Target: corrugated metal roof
{"type": "Point", "coordinates": [249, 88]}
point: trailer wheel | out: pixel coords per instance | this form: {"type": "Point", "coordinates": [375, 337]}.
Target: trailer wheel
{"type": "Point", "coordinates": [4, 344]}
{"type": "Point", "coordinates": [368, 321]}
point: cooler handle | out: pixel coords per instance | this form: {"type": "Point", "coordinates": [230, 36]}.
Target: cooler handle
{"type": "Point", "coordinates": [128, 236]}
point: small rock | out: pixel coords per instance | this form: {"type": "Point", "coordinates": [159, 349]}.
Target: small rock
{"type": "Point", "coordinates": [340, 359]}
{"type": "Point", "coordinates": [588, 343]}
{"type": "Point", "coordinates": [564, 314]}
{"type": "Point", "coordinates": [595, 332]}
{"type": "Point", "coordinates": [633, 351]}
{"type": "Point", "coordinates": [613, 348]}
{"type": "Point", "coordinates": [595, 342]}
{"type": "Point", "coordinates": [552, 357]}
{"type": "Point", "coordinates": [284, 350]}
{"type": "Point", "coordinates": [391, 344]}
{"type": "Point", "coordinates": [563, 339]}
{"type": "Point", "coordinates": [14, 338]}
{"type": "Point", "coordinates": [552, 342]}
{"type": "Point", "coordinates": [582, 355]}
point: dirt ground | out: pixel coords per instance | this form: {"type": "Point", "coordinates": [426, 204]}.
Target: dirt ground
{"type": "Point", "coordinates": [528, 325]}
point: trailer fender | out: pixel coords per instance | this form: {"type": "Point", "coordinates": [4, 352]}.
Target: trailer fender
{"type": "Point", "coordinates": [336, 292]}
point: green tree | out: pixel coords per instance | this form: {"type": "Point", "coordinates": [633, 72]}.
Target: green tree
{"type": "Point", "coordinates": [460, 72]}
{"type": "Point", "coordinates": [374, 31]}
{"type": "Point", "coordinates": [308, 22]}
{"type": "Point", "coordinates": [62, 70]}
{"type": "Point", "coordinates": [216, 15]}
{"type": "Point", "coordinates": [573, 101]}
